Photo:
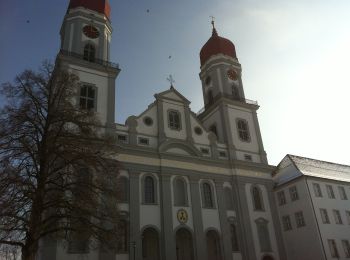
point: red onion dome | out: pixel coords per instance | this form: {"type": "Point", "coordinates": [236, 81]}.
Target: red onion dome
{"type": "Point", "coordinates": [217, 45]}
{"type": "Point", "coordinates": [100, 6]}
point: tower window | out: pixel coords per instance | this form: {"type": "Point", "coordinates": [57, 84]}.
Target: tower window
{"type": "Point", "coordinates": [89, 52]}
{"type": "Point", "coordinates": [243, 130]}
{"type": "Point", "coordinates": [235, 93]}
{"type": "Point", "coordinates": [210, 97]}
{"type": "Point", "coordinates": [87, 97]}
{"type": "Point", "coordinates": [174, 120]}
{"type": "Point", "coordinates": [207, 195]}
{"type": "Point", "coordinates": [213, 129]}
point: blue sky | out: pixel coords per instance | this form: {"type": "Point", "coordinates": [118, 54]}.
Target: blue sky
{"type": "Point", "coordinates": [294, 56]}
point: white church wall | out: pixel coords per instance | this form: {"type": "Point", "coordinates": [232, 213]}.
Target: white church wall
{"type": "Point", "coordinates": [100, 81]}
{"type": "Point", "coordinates": [215, 118]}
{"type": "Point", "coordinates": [150, 212]}
{"type": "Point", "coordinates": [241, 156]}
{"type": "Point", "coordinates": [265, 214]}
{"type": "Point", "coordinates": [145, 129]}
{"type": "Point", "coordinates": [199, 139]}
{"type": "Point", "coordinates": [240, 113]}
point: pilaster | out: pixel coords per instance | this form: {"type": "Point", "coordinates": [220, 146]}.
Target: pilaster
{"type": "Point", "coordinates": [168, 244]}
{"type": "Point", "coordinates": [199, 236]}
{"type": "Point", "coordinates": [135, 249]}
{"type": "Point", "coordinates": [225, 228]}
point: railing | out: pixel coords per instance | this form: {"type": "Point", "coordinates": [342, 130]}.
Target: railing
{"type": "Point", "coordinates": [243, 100]}
{"type": "Point", "coordinates": [97, 61]}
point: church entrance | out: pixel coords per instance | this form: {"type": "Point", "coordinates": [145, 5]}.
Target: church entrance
{"type": "Point", "coordinates": [150, 244]}
{"type": "Point", "coordinates": [184, 245]}
{"type": "Point", "coordinates": [213, 245]}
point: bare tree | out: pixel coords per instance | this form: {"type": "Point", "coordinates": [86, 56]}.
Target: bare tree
{"type": "Point", "coordinates": [57, 174]}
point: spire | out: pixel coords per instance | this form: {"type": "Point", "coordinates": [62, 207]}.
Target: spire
{"type": "Point", "coordinates": [214, 33]}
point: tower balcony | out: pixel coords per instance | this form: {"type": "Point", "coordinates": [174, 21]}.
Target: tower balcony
{"type": "Point", "coordinates": [94, 60]}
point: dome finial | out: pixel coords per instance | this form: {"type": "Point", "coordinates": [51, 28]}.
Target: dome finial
{"type": "Point", "coordinates": [215, 33]}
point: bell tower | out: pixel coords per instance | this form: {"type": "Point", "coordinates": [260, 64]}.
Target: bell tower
{"type": "Point", "coordinates": [85, 51]}
{"type": "Point", "coordinates": [227, 112]}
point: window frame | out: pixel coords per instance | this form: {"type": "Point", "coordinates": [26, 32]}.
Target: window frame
{"type": "Point", "coordinates": [243, 134]}
{"type": "Point", "coordinates": [177, 203]}
{"type": "Point", "coordinates": [205, 195]}
{"type": "Point", "coordinates": [89, 54]}
{"type": "Point", "coordinates": [333, 248]}
{"type": "Point", "coordinates": [346, 247]}
{"type": "Point", "coordinates": [324, 216]}
{"type": "Point", "coordinates": [260, 197]}
{"type": "Point", "coordinates": [330, 191]}
{"type": "Point", "coordinates": [86, 97]}
{"type": "Point", "coordinates": [172, 121]}
{"type": "Point", "coordinates": [299, 219]}
{"type": "Point", "coordinates": [337, 217]}
{"type": "Point", "coordinates": [287, 223]}
{"type": "Point", "coordinates": [155, 190]}
{"type": "Point", "coordinates": [281, 196]}
{"type": "Point", "coordinates": [317, 190]}
{"type": "Point", "coordinates": [342, 193]}
{"type": "Point", "coordinates": [293, 192]}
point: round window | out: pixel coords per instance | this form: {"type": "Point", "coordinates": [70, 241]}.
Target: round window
{"type": "Point", "coordinates": [198, 130]}
{"type": "Point", "coordinates": [148, 121]}
{"type": "Point", "coordinates": [208, 80]}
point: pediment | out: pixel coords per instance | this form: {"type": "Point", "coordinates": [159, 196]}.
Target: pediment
{"type": "Point", "coordinates": [172, 94]}
{"type": "Point", "coordinates": [179, 147]}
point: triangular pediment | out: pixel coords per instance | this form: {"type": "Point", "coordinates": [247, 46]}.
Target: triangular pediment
{"type": "Point", "coordinates": [172, 94]}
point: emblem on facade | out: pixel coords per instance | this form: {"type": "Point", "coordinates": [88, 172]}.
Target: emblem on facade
{"type": "Point", "coordinates": [182, 216]}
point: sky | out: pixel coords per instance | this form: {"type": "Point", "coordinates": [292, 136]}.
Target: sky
{"type": "Point", "coordinates": [294, 55]}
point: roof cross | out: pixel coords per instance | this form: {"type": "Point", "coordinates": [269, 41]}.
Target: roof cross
{"type": "Point", "coordinates": [171, 80]}
{"type": "Point", "coordinates": [212, 21]}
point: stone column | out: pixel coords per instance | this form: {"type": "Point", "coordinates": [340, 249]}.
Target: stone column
{"type": "Point", "coordinates": [199, 237]}
{"type": "Point", "coordinates": [134, 215]}
{"type": "Point", "coordinates": [168, 246]}
{"type": "Point", "coordinates": [225, 228]}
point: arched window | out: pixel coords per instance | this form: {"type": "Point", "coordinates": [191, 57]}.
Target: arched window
{"type": "Point", "coordinates": [89, 52]}
{"type": "Point", "coordinates": [263, 234]}
{"type": "Point", "coordinates": [235, 93]}
{"type": "Point", "coordinates": [228, 198]}
{"type": "Point", "coordinates": [243, 130]}
{"type": "Point", "coordinates": [257, 199]}
{"type": "Point", "coordinates": [123, 237]}
{"type": "Point", "coordinates": [123, 189]}
{"type": "Point", "coordinates": [150, 244]}
{"type": "Point", "coordinates": [180, 192]}
{"type": "Point", "coordinates": [210, 97]}
{"type": "Point", "coordinates": [149, 190]}
{"type": "Point", "coordinates": [213, 129]}
{"type": "Point", "coordinates": [234, 237]}
{"type": "Point", "coordinates": [207, 196]}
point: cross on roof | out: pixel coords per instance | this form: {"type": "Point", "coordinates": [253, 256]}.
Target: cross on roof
{"type": "Point", "coordinates": [171, 80]}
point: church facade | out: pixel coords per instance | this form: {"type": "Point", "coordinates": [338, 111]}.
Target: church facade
{"type": "Point", "coordinates": [194, 186]}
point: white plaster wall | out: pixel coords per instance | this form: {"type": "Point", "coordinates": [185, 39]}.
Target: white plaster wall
{"type": "Point", "coordinates": [214, 118]}
{"type": "Point", "coordinates": [199, 139]}
{"type": "Point", "coordinates": [331, 231]}
{"type": "Point", "coordinates": [98, 79]}
{"type": "Point", "coordinates": [178, 134]}
{"type": "Point", "coordinates": [150, 214]}
{"type": "Point", "coordinates": [266, 214]}
{"type": "Point", "coordinates": [301, 243]}
{"type": "Point", "coordinates": [235, 113]}
{"type": "Point", "coordinates": [142, 128]}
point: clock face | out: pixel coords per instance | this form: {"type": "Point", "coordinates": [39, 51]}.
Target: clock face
{"type": "Point", "coordinates": [91, 31]}
{"type": "Point", "coordinates": [232, 74]}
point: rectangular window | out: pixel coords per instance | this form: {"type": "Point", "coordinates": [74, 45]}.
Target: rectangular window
{"type": "Point", "coordinates": [222, 154]}
{"type": "Point", "coordinates": [287, 225]}
{"type": "Point", "coordinates": [122, 138]}
{"type": "Point", "coordinates": [87, 97]}
{"type": "Point", "coordinates": [281, 198]}
{"type": "Point", "coordinates": [293, 193]}
{"type": "Point", "coordinates": [143, 141]}
{"type": "Point", "coordinates": [346, 246]}
{"type": "Point", "coordinates": [333, 248]}
{"type": "Point", "coordinates": [248, 157]}
{"type": "Point", "coordinates": [174, 120]}
{"type": "Point", "coordinates": [342, 193]}
{"type": "Point", "coordinates": [330, 191]}
{"type": "Point", "coordinates": [317, 189]}
{"type": "Point", "coordinates": [348, 216]}
{"type": "Point", "coordinates": [234, 238]}
{"type": "Point", "coordinates": [299, 219]}
{"type": "Point", "coordinates": [205, 150]}
{"type": "Point", "coordinates": [337, 217]}
{"type": "Point", "coordinates": [324, 216]}
{"type": "Point", "coordinates": [243, 130]}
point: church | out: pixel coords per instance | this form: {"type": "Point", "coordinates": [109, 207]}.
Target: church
{"type": "Point", "coordinates": [194, 186]}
